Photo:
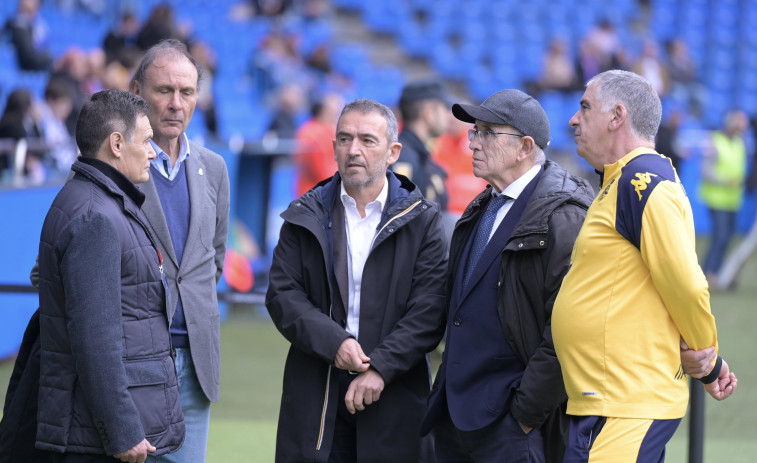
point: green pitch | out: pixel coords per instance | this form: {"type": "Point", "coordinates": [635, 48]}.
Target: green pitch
{"type": "Point", "coordinates": [243, 422]}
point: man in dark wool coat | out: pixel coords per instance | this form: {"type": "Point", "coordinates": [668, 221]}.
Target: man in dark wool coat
{"type": "Point", "coordinates": [357, 287]}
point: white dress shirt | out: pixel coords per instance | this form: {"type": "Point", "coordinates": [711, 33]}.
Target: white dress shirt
{"type": "Point", "coordinates": [513, 191]}
{"type": "Point", "coordinates": [360, 234]}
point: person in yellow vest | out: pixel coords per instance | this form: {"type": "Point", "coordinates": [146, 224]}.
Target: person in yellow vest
{"type": "Point", "coordinates": [722, 187]}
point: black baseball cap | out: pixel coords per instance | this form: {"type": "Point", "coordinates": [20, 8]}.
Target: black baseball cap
{"type": "Point", "coordinates": [509, 107]}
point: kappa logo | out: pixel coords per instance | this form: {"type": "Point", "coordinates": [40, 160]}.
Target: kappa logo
{"type": "Point", "coordinates": [641, 182]}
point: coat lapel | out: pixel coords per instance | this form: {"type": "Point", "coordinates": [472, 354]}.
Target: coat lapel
{"type": "Point", "coordinates": [195, 172]}
{"type": "Point", "coordinates": [154, 213]}
{"type": "Point", "coordinates": [500, 238]}
{"type": "Point", "coordinates": [340, 259]}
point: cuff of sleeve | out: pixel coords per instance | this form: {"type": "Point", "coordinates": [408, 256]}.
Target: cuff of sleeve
{"type": "Point", "coordinates": [713, 375]}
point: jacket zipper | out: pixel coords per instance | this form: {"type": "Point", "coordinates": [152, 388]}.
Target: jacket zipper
{"type": "Point", "coordinates": [323, 411]}
{"type": "Point", "coordinates": [410, 208]}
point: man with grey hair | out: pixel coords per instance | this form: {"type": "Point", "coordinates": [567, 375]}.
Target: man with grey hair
{"type": "Point", "coordinates": [498, 395]}
{"type": "Point", "coordinates": [634, 293]}
{"type": "Point", "coordinates": [357, 287]}
{"type": "Point", "coordinates": [187, 208]}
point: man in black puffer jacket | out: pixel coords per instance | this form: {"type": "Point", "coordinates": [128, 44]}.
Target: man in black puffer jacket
{"type": "Point", "coordinates": [107, 379]}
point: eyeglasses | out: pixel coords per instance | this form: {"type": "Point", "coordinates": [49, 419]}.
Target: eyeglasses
{"type": "Point", "coordinates": [486, 135]}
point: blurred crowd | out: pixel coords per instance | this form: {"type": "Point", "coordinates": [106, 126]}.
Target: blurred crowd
{"type": "Point", "coordinates": [668, 67]}
{"type": "Point", "coordinates": [293, 78]}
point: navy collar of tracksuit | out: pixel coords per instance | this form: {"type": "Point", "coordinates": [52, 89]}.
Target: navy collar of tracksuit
{"type": "Point", "coordinates": [123, 183]}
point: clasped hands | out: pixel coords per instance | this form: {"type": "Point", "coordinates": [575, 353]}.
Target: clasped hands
{"type": "Point", "coordinates": [366, 388]}
{"type": "Point", "coordinates": [698, 364]}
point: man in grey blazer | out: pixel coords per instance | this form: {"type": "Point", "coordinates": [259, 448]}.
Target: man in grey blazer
{"type": "Point", "coordinates": [187, 206]}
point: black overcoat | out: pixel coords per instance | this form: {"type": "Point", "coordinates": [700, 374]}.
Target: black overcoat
{"type": "Point", "coordinates": [401, 320]}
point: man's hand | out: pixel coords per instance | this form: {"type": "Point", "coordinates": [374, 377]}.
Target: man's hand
{"type": "Point", "coordinates": [697, 363]}
{"type": "Point", "coordinates": [724, 386]}
{"type": "Point", "coordinates": [137, 454]}
{"type": "Point", "coordinates": [351, 357]}
{"type": "Point", "coordinates": [364, 390]}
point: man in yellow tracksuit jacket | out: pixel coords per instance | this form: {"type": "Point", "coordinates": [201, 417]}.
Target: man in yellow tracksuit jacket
{"type": "Point", "coordinates": [634, 290]}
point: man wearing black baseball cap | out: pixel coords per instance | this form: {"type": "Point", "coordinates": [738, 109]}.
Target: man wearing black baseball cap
{"type": "Point", "coordinates": [424, 106]}
{"type": "Point", "coordinates": [498, 395]}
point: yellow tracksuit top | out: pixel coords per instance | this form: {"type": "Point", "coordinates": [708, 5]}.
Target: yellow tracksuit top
{"type": "Point", "coordinates": [633, 289]}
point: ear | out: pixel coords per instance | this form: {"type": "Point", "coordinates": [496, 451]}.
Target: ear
{"type": "Point", "coordinates": [526, 148]}
{"type": "Point", "coordinates": [134, 88]}
{"type": "Point", "coordinates": [619, 116]}
{"type": "Point", "coordinates": [394, 153]}
{"type": "Point", "coordinates": [116, 142]}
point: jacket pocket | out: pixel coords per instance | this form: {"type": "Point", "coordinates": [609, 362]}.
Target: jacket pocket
{"type": "Point", "coordinates": [148, 385]}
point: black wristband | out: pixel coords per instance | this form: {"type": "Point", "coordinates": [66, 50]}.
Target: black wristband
{"type": "Point", "coordinates": [713, 375]}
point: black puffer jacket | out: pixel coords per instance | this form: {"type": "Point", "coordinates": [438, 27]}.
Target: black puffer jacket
{"type": "Point", "coordinates": [107, 379]}
{"type": "Point", "coordinates": [534, 262]}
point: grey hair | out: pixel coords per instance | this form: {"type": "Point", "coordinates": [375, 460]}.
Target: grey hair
{"type": "Point", "coordinates": [636, 94]}
{"type": "Point", "coordinates": [168, 47]}
{"type": "Point", "coordinates": [538, 156]}
{"type": "Point", "coordinates": [366, 106]}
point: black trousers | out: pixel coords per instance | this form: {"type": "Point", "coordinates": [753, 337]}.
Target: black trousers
{"type": "Point", "coordinates": [503, 441]}
{"type": "Point", "coordinates": [344, 445]}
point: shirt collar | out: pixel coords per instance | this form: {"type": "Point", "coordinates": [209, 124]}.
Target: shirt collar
{"type": "Point", "coordinates": [380, 199]}
{"type": "Point", "coordinates": [611, 169]}
{"type": "Point", "coordinates": [514, 189]}
{"type": "Point", "coordinates": [161, 155]}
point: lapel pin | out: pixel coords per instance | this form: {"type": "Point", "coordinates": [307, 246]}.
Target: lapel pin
{"type": "Point", "coordinates": [200, 171]}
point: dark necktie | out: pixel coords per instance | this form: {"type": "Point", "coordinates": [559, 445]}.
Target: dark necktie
{"type": "Point", "coordinates": [482, 236]}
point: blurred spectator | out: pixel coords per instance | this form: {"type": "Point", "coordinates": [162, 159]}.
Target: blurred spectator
{"type": "Point", "coordinates": [286, 115]}
{"type": "Point", "coordinates": [425, 112]}
{"type": "Point", "coordinates": [29, 34]}
{"type": "Point", "coordinates": [604, 40]}
{"type": "Point", "coordinates": [722, 187]}
{"type": "Point", "coordinates": [160, 25]}
{"type": "Point", "coordinates": [652, 68]}
{"type": "Point", "coordinates": [72, 67]}
{"type": "Point", "coordinates": [17, 122]}
{"type": "Point", "coordinates": [276, 62]}
{"type": "Point", "coordinates": [92, 82]}
{"type": "Point", "coordinates": [206, 59]}
{"type": "Point", "coordinates": [666, 141]}
{"type": "Point", "coordinates": [558, 71]}
{"type": "Point", "coordinates": [115, 76]}
{"type": "Point", "coordinates": [588, 62]}
{"type": "Point", "coordinates": [248, 9]}
{"type": "Point", "coordinates": [52, 114]}
{"type": "Point", "coordinates": [685, 85]}
{"type": "Point", "coordinates": [452, 152]}
{"type": "Point", "coordinates": [121, 38]}
{"type": "Point", "coordinates": [314, 155]}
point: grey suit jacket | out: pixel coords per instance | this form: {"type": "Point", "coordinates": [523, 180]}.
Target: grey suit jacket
{"type": "Point", "coordinates": [202, 263]}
